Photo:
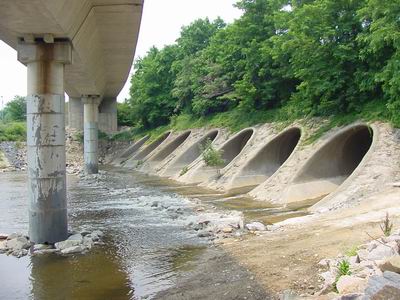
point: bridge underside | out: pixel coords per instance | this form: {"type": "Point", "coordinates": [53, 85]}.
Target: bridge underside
{"type": "Point", "coordinates": [84, 48]}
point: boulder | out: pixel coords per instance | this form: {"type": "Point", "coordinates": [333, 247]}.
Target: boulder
{"type": "Point", "coordinates": [19, 253]}
{"type": "Point", "coordinates": [255, 226]}
{"type": "Point", "coordinates": [73, 250]}
{"type": "Point", "coordinates": [386, 287]}
{"type": "Point", "coordinates": [76, 237]}
{"type": "Point", "coordinates": [18, 243]}
{"type": "Point", "coordinates": [203, 233]}
{"type": "Point", "coordinates": [38, 247]}
{"type": "Point", "coordinates": [46, 251]}
{"type": "Point", "coordinates": [88, 242]}
{"type": "Point", "coordinates": [372, 245]}
{"type": "Point", "coordinates": [329, 279]}
{"type": "Point", "coordinates": [391, 264]}
{"type": "Point", "coordinates": [354, 260]}
{"type": "Point", "coordinates": [227, 230]}
{"type": "Point", "coordinates": [98, 233]}
{"type": "Point", "coordinates": [13, 236]}
{"type": "Point", "coordinates": [94, 238]}
{"type": "Point", "coordinates": [85, 233]}
{"type": "Point", "coordinates": [362, 255]}
{"type": "Point", "coordinates": [349, 284]}
{"type": "Point", "coordinates": [66, 244]}
{"type": "Point", "coordinates": [391, 238]}
{"type": "Point", "coordinates": [383, 252]}
{"type": "Point", "coordinates": [3, 246]}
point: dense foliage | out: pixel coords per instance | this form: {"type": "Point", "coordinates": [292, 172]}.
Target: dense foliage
{"type": "Point", "coordinates": [15, 110]}
{"type": "Point", "coordinates": [13, 131]}
{"type": "Point", "coordinates": [310, 57]}
{"type": "Point", "coordinates": [12, 120]}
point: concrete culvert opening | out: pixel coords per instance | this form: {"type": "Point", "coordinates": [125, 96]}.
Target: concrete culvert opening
{"type": "Point", "coordinates": [269, 158]}
{"type": "Point", "coordinates": [331, 165]}
{"type": "Point", "coordinates": [135, 147]}
{"type": "Point", "coordinates": [171, 147]}
{"type": "Point", "coordinates": [150, 148]}
{"type": "Point", "coordinates": [234, 146]}
{"type": "Point", "coordinates": [191, 154]}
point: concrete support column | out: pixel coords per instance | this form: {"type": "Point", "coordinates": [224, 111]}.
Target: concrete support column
{"type": "Point", "coordinates": [75, 113]}
{"type": "Point", "coordinates": [46, 139]}
{"type": "Point", "coordinates": [91, 118]}
{"type": "Point", "coordinates": [108, 115]}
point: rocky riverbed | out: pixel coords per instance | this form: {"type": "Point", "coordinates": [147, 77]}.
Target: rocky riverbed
{"type": "Point", "coordinates": [206, 221]}
{"type": "Point", "coordinates": [19, 245]}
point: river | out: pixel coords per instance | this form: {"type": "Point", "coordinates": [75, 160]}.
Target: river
{"type": "Point", "coordinates": [147, 242]}
{"type": "Point", "coordinates": [144, 246]}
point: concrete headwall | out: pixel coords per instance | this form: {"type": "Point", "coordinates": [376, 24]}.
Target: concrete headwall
{"type": "Point", "coordinates": [277, 164]}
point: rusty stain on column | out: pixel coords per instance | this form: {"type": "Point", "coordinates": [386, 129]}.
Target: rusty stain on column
{"type": "Point", "coordinates": [46, 139]}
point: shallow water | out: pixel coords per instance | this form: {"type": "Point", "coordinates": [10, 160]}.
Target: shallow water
{"type": "Point", "coordinates": [145, 248]}
{"type": "Point", "coordinates": [146, 245]}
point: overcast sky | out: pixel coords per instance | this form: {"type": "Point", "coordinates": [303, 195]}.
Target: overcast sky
{"type": "Point", "coordinates": [161, 24]}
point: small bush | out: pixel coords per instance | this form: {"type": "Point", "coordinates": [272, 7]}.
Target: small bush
{"type": "Point", "coordinates": [79, 137]}
{"type": "Point", "coordinates": [103, 136]}
{"type": "Point", "coordinates": [211, 156]}
{"type": "Point", "coordinates": [13, 132]}
{"type": "Point", "coordinates": [184, 171]}
{"type": "Point", "coordinates": [386, 225]}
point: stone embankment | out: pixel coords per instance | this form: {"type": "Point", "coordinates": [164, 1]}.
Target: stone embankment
{"type": "Point", "coordinates": [13, 154]}
{"type": "Point", "coordinates": [19, 245]}
{"type": "Point", "coordinates": [371, 271]}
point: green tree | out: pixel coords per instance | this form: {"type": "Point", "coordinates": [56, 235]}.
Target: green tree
{"type": "Point", "coordinates": [190, 67]}
{"type": "Point", "coordinates": [151, 96]}
{"type": "Point", "coordinates": [381, 51]}
{"type": "Point", "coordinates": [320, 39]}
{"type": "Point", "coordinates": [124, 114]}
{"type": "Point", "coordinates": [15, 110]}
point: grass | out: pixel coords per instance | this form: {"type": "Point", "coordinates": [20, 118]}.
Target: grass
{"type": "Point", "coordinates": [352, 251]}
{"type": "Point", "coordinates": [343, 269]}
{"type": "Point", "coordinates": [386, 225]}
{"type": "Point", "coordinates": [236, 120]}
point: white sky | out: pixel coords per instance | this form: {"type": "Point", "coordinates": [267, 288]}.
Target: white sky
{"type": "Point", "coordinates": [161, 24]}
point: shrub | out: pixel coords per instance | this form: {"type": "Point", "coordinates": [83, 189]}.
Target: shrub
{"type": "Point", "coordinates": [211, 156]}
{"type": "Point", "coordinates": [14, 132]}
{"type": "Point", "coordinates": [184, 171]}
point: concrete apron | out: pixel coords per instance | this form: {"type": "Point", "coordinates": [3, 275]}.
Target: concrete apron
{"type": "Point", "coordinates": [46, 139]}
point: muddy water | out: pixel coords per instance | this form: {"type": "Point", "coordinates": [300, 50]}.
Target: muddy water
{"type": "Point", "coordinates": [146, 246]}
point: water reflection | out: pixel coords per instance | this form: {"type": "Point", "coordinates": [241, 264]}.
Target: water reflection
{"type": "Point", "coordinates": [98, 275]}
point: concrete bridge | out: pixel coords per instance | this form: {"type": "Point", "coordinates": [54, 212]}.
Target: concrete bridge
{"type": "Point", "coordinates": [84, 48]}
